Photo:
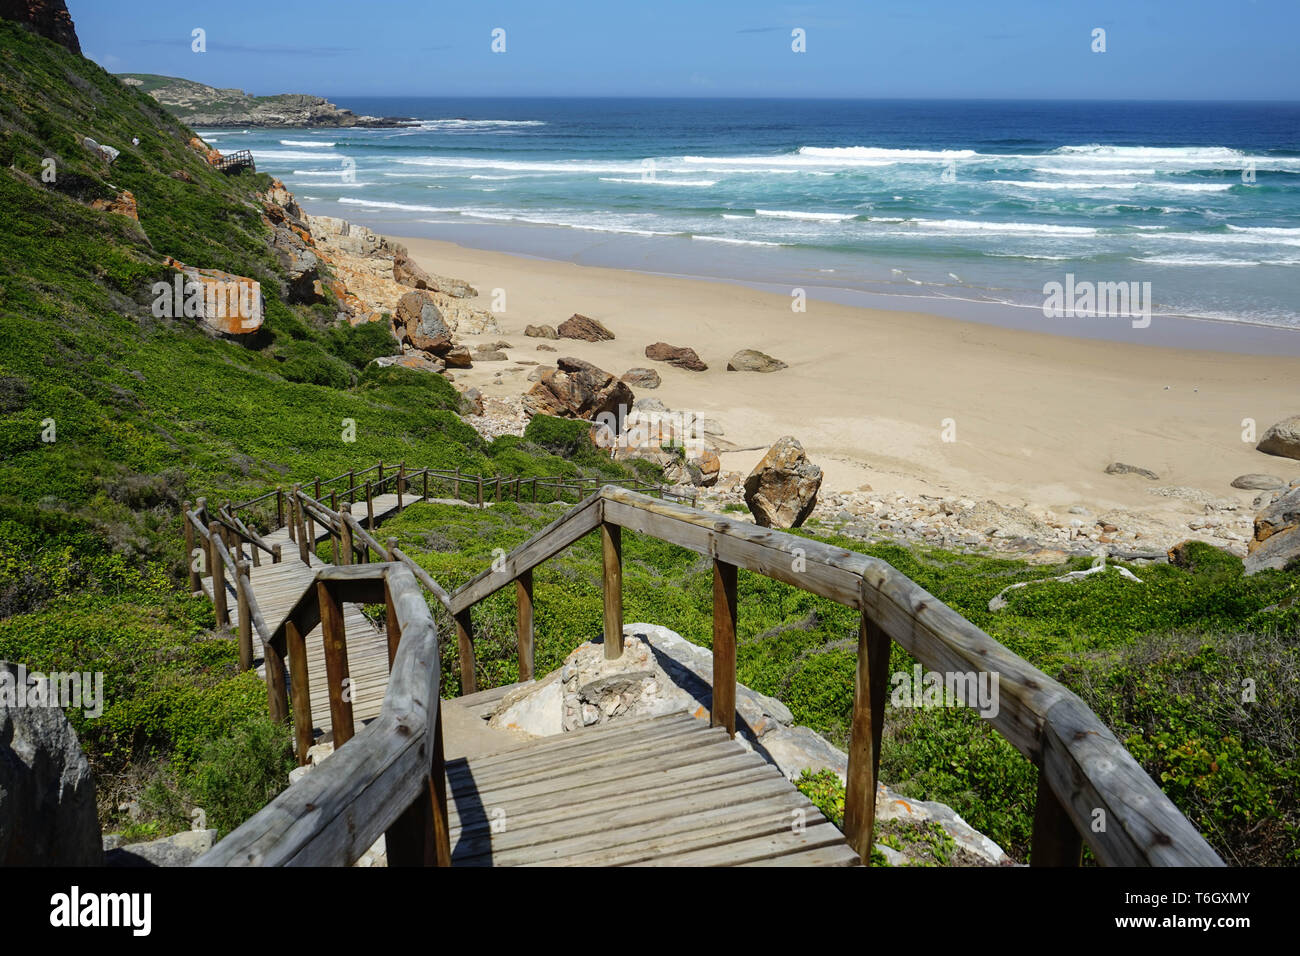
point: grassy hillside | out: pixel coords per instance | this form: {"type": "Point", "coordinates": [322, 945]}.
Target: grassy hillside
{"type": "Point", "coordinates": [144, 413]}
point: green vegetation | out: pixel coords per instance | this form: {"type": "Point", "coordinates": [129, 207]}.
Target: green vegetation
{"type": "Point", "coordinates": [1162, 663]}
{"type": "Point", "coordinates": [111, 417]}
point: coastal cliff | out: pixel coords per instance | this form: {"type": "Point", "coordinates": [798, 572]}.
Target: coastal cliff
{"type": "Point", "coordinates": [197, 105]}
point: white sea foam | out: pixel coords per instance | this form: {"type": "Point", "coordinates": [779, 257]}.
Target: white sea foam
{"type": "Point", "coordinates": [958, 226]}
{"type": "Point", "coordinates": [305, 142]}
{"type": "Point", "coordinates": [287, 155]}
{"type": "Point", "coordinates": [737, 242]}
{"type": "Point", "coordinates": [660, 182]}
{"type": "Point", "coordinates": [811, 216]}
{"type": "Point", "coordinates": [384, 204]}
{"type": "Point", "coordinates": [1131, 187]}
{"type": "Point", "coordinates": [527, 166]}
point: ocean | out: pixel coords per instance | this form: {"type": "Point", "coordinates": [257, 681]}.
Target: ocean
{"type": "Point", "coordinates": [923, 205]}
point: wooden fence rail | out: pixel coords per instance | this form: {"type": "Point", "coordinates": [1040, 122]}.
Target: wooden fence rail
{"type": "Point", "coordinates": [1085, 774]}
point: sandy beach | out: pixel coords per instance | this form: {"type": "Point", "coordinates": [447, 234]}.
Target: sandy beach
{"type": "Point", "coordinates": [1036, 417]}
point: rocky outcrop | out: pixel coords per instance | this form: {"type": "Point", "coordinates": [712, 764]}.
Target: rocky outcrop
{"type": "Point", "coordinates": [781, 491]}
{"type": "Point", "coordinates": [1277, 535]}
{"type": "Point", "coordinates": [1282, 439]}
{"type": "Point", "coordinates": [107, 153]}
{"type": "Point", "coordinates": [679, 356]}
{"type": "Point", "coordinates": [195, 105]}
{"type": "Point", "coordinates": [577, 389]}
{"type": "Point", "coordinates": [418, 361]}
{"type": "Point", "coordinates": [540, 332]}
{"type": "Point", "coordinates": [642, 378]}
{"type": "Point", "coordinates": [1119, 468]}
{"type": "Point", "coordinates": [406, 271]}
{"type": "Point", "coordinates": [48, 18]}
{"type": "Point", "coordinates": [583, 328]}
{"type": "Point", "coordinates": [752, 360]}
{"type": "Point", "coordinates": [47, 794]}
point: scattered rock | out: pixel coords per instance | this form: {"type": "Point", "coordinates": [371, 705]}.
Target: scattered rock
{"type": "Point", "coordinates": [1258, 482]}
{"type": "Point", "coordinates": [47, 794]}
{"type": "Point", "coordinates": [545, 348]}
{"type": "Point", "coordinates": [577, 389]}
{"type": "Point", "coordinates": [540, 332]}
{"type": "Point", "coordinates": [679, 356]}
{"type": "Point", "coordinates": [1119, 468]}
{"type": "Point", "coordinates": [642, 378]}
{"type": "Point", "coordinates": [1282, 439]}
{"type": "Point", "coordinates": [458, 357]}
{"type": "Point", "coordinates": [781, 491]}
{"type": "Point", "coordinates": [487, 354]}
{"type": "Point", "coordinates": [106, 153]}
{"type": "Point", "coordinates": [419, 361]}
{"type": "Point", "coordinates": [226, 304]}
{"type": "Point", "coordinates": [584, 328]}
{"type": "Point", "coordinates": [181, 175]}
{"type": "Point", "coordinates": [752, 360]}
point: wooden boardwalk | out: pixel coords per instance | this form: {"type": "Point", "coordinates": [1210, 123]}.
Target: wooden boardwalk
{"type": "Point", "coordinates": [662, 791]}
{"type": "Point", "coordinates": [277, 588]}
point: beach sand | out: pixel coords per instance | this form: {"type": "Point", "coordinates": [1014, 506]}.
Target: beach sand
{"type": "Point", "coordinates": [1036, 417]}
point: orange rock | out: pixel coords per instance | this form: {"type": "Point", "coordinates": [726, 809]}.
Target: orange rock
{"type": "Point", "coordinates": [123, 205]}
{"type": "Point", "coordinates": [225, 303]}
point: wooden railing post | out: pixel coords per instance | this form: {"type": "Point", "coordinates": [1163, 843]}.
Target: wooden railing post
{"type": "Point", "coordinates": [293, 518]}
{"type": "Point", "coordinates": [336, 664]}
{"type": "Point", "coordinates": [277, 694]}
{"type": "Point", "coordinates": [723, 711]}
{"type": "Point", "coordinates": [394, 631]}
{"type": "Point", "coordinates": [611, 539]}
{"type": "Point", "coordinates": [334, 537]}
{"type": "Point", "coordinates": [352, 480]}
{"type": "Point", "coordinates": [304, 546]}
{"type": "Point", "coordinates": [534, 491]}
{"type": "Point", "coordinates": [245, 618]}
{"type": "Point", "coordinates": [524, 603]}
{"type": "Point", "coordinates": [421, 836]}
{"type": "Point", "coordinates": [347, 555]}
{"type": "Point", "coordinates": [276, 557]}
{"type": "Point", "coordinates": [316, 489]}
{"type": "Point", "coordinates": [480, 491]}
{"type": "Point", "coordinates": [401, 468]}
{"type": "Point", "coordinates": [380, 477]}
{"type": "Point", "coordinates": [218, 575]}
{"type": "Point", "coordinates": [296, 645]}
{"type": "Point", "coordinates": [1055, 840]}
{"type": "Point", "coordinates": [864, 741]}
{"type": "Point", "coordinates": [455, 484]}
{"type": "Point", "coordinates": [465, 644]}
{"type": "Point", "coordinates": [370, 509]}
{"type": "Point", "coordinates": [279, 507]}
{"type": "Point", "coordinates": [196, 584]}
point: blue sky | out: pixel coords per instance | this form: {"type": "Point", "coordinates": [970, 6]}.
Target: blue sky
{"type": "Point", "coordinates": [1155, 49]}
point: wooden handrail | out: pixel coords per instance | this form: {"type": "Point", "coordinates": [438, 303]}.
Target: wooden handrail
{"type": "Point", "coordinates": [388, 779]}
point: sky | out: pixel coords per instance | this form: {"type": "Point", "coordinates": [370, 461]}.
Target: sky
{"type": "Point", "coordinates": [1003, 49]}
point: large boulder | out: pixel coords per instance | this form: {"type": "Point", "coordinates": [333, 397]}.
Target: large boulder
{"type": "Point", "coordinates": [47, 794]}
{"type": "Point", "coordinates": [540, 332]}
{"type": "Point", "coordinates": [225, 304]}
{"type": "Point", "coordinates": [584, 328]}
{"type": "Point", "coordinates": [577, 389]}
{"type": "Point", "coordinates": [1283, 439]}
{"type": "Point", "coordinates": [300, 263]}
{"type": "Point", "coordinates": [180, 849]}
{"type": "Point", "coordinates": [677, 355]}
{"type": "Point", "coordinates": [406, 271]}
{"type": "Point", "coordinates": [420, 322]}
{"type": "Point", "coordinates": [781, 491]}
{"type": "Point", "coordinates": [752, 360]}
{"type": "Point", "coordinates": [1277, 535]}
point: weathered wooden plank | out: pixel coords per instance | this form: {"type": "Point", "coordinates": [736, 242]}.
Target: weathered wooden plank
{"type": "Point", "coordinates": [822, 856]}
{"type": "Point", "coordinates": [336, 664]}
{"type": "Point", "coordinates": [551, 540]}
{"type": "Point", "coordinates": [611, 544]}
{"type": "Point", "coordinates": [1055, 840]}
{"type": "Point", "coordinates": [524, 622]}
{"type": "Point", "coordinates": [785, 843]}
